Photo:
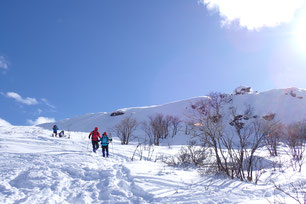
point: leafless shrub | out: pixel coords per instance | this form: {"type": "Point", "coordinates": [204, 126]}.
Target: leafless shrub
{"type": "Point", "coordinates": [150, 151]}
{"type": "Point", "coordinates": [160, 157]}
{"type": "Point", "coordinates": [273, 138]}
{"type": "Point", "coordinates": [260, 170]}
{"type": "Point", "coordinates": [251, 132]}
{"type": "Point", "coordinates": [294, 190]}
{"type": "Point", "coordinates": [234, 138]}
{"type": "Point", "coordinates": [156, 128]}
{"type": "Point", "coordinates": [188, 127]}
{"type": "Point", "coordinates": [160, 127]}
{"type": "Point", "coordinates": [149, 132]}
{"type": "Point", "coordinates": [175, 124]}
{"type": "Point", "coordinates": [279, 165]}
{"type": "Point", "coordinates": [296, 140]}
{"type": "Point", "coordinates": [135, 151]}
{"type": "Point", "coordinates": [207, 116]}
{"type": "Point", "coordinates": [171, 161]}
{"type": "Point", "coordinates": [125, 130]}
{"type": "Point", "coordinates": [143, 151]}
{"type": "Point", "coordinates": [192, 155]}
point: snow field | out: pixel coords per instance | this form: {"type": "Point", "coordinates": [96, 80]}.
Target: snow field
{"type": "Point", "coordinates": [37, 168]}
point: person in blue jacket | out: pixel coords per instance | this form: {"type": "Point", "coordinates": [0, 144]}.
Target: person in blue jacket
{"type": "Point", "coordinates": [105, 140]}
{"type": "Point", "coordinates": [55, 129]}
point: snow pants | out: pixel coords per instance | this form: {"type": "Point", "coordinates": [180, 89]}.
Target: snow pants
{"type": "Point", "coordinates": [95, 145]}
{"type": "Point", "coordinates": [105, 148]}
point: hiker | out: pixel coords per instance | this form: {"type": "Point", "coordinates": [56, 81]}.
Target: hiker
{"type": "Point", "coordinates": [95, 136]}
{"type": "Point", "coordinates": [61, 134]}
{"type": "Point", "coordinates": [55, 129]}
{"type": "Point", "coordinates": [104, 143]}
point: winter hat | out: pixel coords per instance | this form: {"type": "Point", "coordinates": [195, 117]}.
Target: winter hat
{"type": "Point", "coordinates": [104, 133]}
{"type": "Point", "coordinates": [96, 128]}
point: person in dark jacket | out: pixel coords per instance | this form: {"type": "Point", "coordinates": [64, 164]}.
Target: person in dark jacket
{"type": "Point", "coordinates": [61, 134]}
{"type": "Point", "coordinates": [55, 129]}
{"type": "Point", "coordinates": [104, 143]}
{"type": "Point", "coordinates": [95, 137]}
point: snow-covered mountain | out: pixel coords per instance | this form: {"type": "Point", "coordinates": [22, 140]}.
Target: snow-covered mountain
{"type": "Point", "coordinates": [37, 168]}
{"type": "Point", "coordinates": [288, 104]}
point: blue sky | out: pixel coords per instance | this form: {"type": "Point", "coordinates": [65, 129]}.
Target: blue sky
{"type": "Point", "coordinates": [63, 58]}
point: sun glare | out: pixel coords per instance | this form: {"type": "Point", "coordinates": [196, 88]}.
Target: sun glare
{"type": "Point", "coordinates": [301, 33]}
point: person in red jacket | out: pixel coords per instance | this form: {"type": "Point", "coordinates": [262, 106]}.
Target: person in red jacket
{"type": "Point", "coordinates": [95, 137]}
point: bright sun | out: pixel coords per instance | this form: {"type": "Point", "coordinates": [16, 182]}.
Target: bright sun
{"type": "Point", "coordinates": [301, 33]}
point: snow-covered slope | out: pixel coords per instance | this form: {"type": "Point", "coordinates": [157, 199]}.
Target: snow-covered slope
{"type": "Point", "coordinates": [37, 168]}
{"type": "Point", "coordinates": [104, 121]}
{"type": "Point", "coordinates": [288, 104]}
{"type": "Point", "coordinates": [4, 123]}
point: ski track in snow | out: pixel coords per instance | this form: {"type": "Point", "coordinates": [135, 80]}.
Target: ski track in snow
{"type": "Point", "coordinates": [37, 168]}
{"type": "Point", "coordinates": [63, 175]}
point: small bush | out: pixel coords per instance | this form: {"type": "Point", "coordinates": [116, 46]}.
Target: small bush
{"type": "Point", "coordinates": [192, 155]}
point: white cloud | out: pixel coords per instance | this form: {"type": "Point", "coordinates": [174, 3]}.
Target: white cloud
{"type": "Point", "coordinates": [41, 120]}
{"type": "Point", "coordinates": [4, 123]}
{"type": "Point", "coordinates": [17, 97]}
{"type": "Point", "coordinates": [3, 63]}
{"type": "Point", "coordinates": [45, 101]}
{"type": "Point", "coordinates": [255, 14]}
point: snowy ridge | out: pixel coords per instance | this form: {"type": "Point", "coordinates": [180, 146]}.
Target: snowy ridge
{"type": "Point", "coordinates": [288, 104]}
{"type": "Point", "coordinates": [104, 121]}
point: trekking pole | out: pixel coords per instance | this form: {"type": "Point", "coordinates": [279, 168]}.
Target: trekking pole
{"type": "Point", "coordinates": [110, 134]}
{"type": "Point", "coordinates": [112, 147]}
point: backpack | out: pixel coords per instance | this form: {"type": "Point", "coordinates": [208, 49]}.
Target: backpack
{"type": "Point", "coordinates": [104, 140]}
{"type": "Point", "coordinates": [95, 135]}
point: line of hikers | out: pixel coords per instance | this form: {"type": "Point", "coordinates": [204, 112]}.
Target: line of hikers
{"type": "Point", "coordinates": [95, 139]}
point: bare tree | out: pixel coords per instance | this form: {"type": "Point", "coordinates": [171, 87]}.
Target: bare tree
{"type": "Point", "coordinates": [296, 139]}
{"type": "Point", "coordinates": [158, 127]}
{"type": "Point", "coordinates": [249, 133]}
{"type": "Point", "coordinates": [189, 127]}
{"type": "Point", "coordinates": [273, 138]}
{"type": "Point", "coordinates": [261, 129]}
{"type": "Point", "coordinates": [149, 132]}
{"type": "Point", "coordinates": [234, 137]}
{"type": "Point", "coordinates": [208, 118]}
{"type": "Point", "coordinates": [125, 130]}
{"type": "Point", "coordinates": [175, 124]}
